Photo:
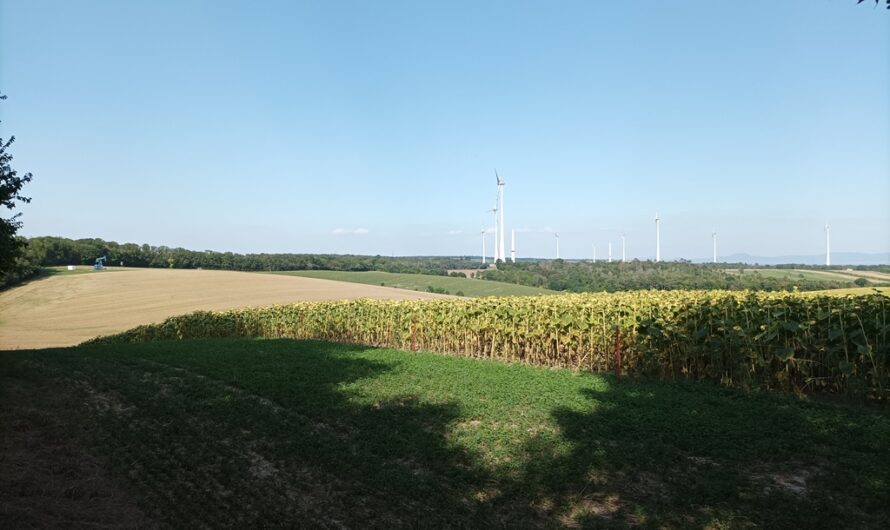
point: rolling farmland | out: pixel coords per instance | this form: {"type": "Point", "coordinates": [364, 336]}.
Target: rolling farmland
{"type": "Point", "coordinates": [68, 308]}
{"type": "Point", "coordinates": [421, 282]}
{"type": "Point", "coordinates": [818, 275]}
{"type": "Point", "coordinates": [274, 429]}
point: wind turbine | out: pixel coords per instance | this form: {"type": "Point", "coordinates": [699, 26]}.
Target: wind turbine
{"type": "Point", "coordinates": [500, 254]}
{"type": "Point", "coordinates": [714, 236]}
{"type": "Point", "coordinates": [827, 247]}
{"type": "Point", "coordinates": [557, 245]}
{"type": "Point", "coordinates": [495, 253]}
{"type": "Point", "coordinates": [622, 250]}
{"type": "Point", "coordinates": [657, 238]}
{"type": "Point", "coordinates": [513, 245]}
{"type": "Point", "coordinates": [594, 253]}
{"type": "Point", "coordinates": [483, 245]}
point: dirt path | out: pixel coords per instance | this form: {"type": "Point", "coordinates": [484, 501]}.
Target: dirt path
{"type": "Point", "coordinates": [69, 309]}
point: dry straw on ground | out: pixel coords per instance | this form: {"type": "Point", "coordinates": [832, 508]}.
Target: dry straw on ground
{"type": "Point", "coordinates": [66, 310]}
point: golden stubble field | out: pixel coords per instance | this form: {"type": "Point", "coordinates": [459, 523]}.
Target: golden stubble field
{"type": "Point", "coordinates": [66, 310]}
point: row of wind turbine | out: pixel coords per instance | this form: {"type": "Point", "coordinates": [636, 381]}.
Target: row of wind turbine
{"type": "Point", "coordinates": [500, 254]}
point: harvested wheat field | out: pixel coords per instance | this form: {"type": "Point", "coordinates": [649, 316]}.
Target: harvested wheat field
{"type": "Point", "coordinates": [68, 309]}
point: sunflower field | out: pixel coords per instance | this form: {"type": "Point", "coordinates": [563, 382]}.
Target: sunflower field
{"type": "Point", "coordinates": [793, 341]}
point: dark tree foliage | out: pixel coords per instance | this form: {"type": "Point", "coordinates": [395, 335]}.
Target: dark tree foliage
{"type": "Point", "coordinates": [49, 251]}
{"type": "Point", "coordinates": [561, 275]}
{"type": "Point", "coordinates": [10, 192]}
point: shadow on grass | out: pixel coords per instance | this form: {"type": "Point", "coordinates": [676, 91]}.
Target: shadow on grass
{"type": "Point", "coordinates": [700, 456]}
{"type": "Point", "coordinates": [277, 433]}
{"type": "Point", "coordinates": [261, 433]}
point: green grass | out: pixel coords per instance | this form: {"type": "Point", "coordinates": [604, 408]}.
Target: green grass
{"type": "Point", "coordinates": [421, 282]}
{"type": "Point", "coordinates": [255, 433]}
{"type": "Point", "coordinates": [63, 271]}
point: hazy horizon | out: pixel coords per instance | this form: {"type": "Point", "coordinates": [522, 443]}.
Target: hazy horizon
{"type": "Point", "coordinates": [375, 128]}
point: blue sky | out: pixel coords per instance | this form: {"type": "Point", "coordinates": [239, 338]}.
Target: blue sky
{"type": "Point", "coordinates": [375, 127]}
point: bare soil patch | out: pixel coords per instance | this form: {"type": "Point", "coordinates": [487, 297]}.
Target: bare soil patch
{"type": "Point", "coordinates": [791, 479]}
{"type": "Point", "coordinates": [69, 309]}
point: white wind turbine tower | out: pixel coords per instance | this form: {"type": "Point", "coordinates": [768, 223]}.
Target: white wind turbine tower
{"type": "Point", "coordinates": [494, 259]}
{"type": "Point", "coordinates": [594, 253]}
{"type": "Point", "coordinates": [513, 245]}
{"type": "Point", "coordinates": [827, 247]}
{"type": "Point", "coordinates": [657, 238]}
{"type": "Point", "coordinates": [610, 252]}
{"type": "Point", "coordinates": [499, 253]}
{"type": "Point", "coordinates": [714, 237]}
{"type": "Point", "coordinates": [623, 256]}
{"type": "Point", "coordinates": [483, 245]}
{"type": "Point", "coordinates": [557, 245]}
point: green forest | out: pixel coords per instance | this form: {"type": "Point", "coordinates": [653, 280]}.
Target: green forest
{"type": "Point", "coordinates": [53, 251]}
{"type": "Point", "coordinates": [585, 276]}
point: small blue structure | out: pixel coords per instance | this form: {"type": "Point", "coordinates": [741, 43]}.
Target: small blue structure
{"type": "Point", "coordinates": [100, 264]}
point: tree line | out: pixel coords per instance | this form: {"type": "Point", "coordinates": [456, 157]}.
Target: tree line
{"type": "Point", "coordinates": [558, 275]}
{"type": "Point", "coordinates": [584, 276]}
{"type": "Point", "coordinates": [54, 251]}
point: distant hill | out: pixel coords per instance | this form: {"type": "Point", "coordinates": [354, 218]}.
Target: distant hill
{"type": "Point", "coordinates": [837, 258]}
